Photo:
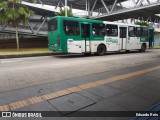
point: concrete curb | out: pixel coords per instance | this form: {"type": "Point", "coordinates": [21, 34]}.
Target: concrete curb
{"type": "Point", "coordinates": [27, 55]}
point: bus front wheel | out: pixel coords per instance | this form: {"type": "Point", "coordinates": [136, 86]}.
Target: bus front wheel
{"type": "Point", "coordinates": [101, 50]}
{"type": "Point", "coordinates": [143, 48]}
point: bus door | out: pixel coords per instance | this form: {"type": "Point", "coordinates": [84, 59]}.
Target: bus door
{"type": "Point", "coordinates": [123, 38]}
{"type": "Point", "coordinates": [85, 34]}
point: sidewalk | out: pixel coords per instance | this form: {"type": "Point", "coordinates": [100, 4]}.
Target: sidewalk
{"type": "Point", "coordinates": [130, 92]}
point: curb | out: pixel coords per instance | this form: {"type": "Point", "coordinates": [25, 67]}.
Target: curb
{"type": "Point", "coordinates": [27, 55]}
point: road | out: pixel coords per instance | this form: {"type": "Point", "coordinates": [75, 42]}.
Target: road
{"type": "Point", "coordinates": [19, 73]}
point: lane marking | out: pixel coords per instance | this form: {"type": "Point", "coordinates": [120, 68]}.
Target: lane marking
{"type": "Point", "coordinates": [38, 99]}
{"type": "Point", "coordinates": [6, 61]}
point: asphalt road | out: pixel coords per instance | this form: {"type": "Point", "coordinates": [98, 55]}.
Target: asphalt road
{"type": "Point", "coordinates": [19, 73]}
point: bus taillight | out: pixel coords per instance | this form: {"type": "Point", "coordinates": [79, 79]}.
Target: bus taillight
{"type": "Point", "coordinates": [58, 40]}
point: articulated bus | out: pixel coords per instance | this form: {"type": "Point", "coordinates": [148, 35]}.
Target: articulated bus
{"type": "Point", "coordinates": [79, 35]}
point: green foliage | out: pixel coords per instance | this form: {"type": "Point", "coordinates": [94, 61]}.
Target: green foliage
{"type": "Point", "coordinates": [62, 12]}
{"type": "Point", "coordinates": [12, 51]}
{"type": "Point", "coordinates": [13, 11]}
{"type": "Point", "coordinates": [156, 47]}
{"type": "Point", "coordinates": [31, 1]}
{"type": "Point", "coordinates": [142, 23]}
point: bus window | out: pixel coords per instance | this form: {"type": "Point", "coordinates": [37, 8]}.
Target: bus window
{"type": "Point", "coordinates": [52, 25]}
{"type": "Point", "coordinates": [98, 29]}
{"type": "Point", "coordinates": [138, 32]}
{"type": "Point", "coordinates": [123, 32]}
{"type": "Point", "coordinates": [85, 30]}
{"type": "Point", "coordinates": [112, 30]}
{"type": "Point", "coordinates": [131, 31]}
{"type": "Point", "coordinates": [71, 27]}
{"type": "Point", "coordinates": [144, 32]}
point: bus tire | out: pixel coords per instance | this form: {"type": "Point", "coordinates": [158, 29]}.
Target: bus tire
{"type": "Point", "coordinates": [101, 50]}
{"type": "Point", "coordinates": [143, 48]}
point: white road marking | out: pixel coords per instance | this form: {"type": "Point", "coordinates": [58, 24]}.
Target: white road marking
{"type": "Point", "coordinates": [6, 61]}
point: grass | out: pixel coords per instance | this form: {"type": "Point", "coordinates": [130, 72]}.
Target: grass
{"type": "Point", "coordinates": [157, 47]}
{"type": "Point", "coordinates": [24, 51]}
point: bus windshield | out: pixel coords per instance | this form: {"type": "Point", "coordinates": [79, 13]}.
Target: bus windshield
{"type": "Point", "coordinates": [52, 25]}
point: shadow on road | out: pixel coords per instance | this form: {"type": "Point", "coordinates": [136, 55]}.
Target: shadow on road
{"type": "Point", "coordinates": [70, 55]}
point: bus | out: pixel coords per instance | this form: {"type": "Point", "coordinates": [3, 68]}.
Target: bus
{"type": "Point", "coordinates": [80, 35]}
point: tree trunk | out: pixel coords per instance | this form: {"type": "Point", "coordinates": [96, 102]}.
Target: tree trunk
{"type": "Point", "coordinates": [17, 39]}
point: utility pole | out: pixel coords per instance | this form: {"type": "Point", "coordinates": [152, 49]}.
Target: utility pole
{"type": "Point", "coordinates": [66, 8]}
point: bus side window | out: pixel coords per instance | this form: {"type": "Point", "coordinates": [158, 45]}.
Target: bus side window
{"type": "Point", "coordinates": [138, 32]}
{"type": "Point", "coordinates": [144, 32]}
{"type": "Point", "coordinates": [111, 30]}
{"type": "Point", "coordinates": [71, 28]}
{"type": "Point", "coordinates": [131, 31]}
{"type": "Point", "coordinates": [98, 29]}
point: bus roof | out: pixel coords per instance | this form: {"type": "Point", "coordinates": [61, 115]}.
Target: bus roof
{"type": "Point", "coordinates": [74, 18]}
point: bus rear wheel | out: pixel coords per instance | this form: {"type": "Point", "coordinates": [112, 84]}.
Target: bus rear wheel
{"type": "Point", "coordinates": [143, 48]}
{"type": "Point", "coordinates": [101, 50]}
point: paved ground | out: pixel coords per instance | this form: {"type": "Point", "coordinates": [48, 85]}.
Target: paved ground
{"type": "Point", "coordinates": [118, 82]}
{"type": "Point", "coordinates": [24, 72]}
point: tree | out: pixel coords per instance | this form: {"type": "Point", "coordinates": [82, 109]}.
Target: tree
{"type": "Point", "coordinates": [62, 12]}
{"type": "Point", "coordinates": [12, 12]}
{"type": "Point", "coordinates": [142, 23]}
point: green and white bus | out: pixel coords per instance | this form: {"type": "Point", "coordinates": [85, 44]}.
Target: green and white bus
{"type": "Point", "coordinates": [79, 35]}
